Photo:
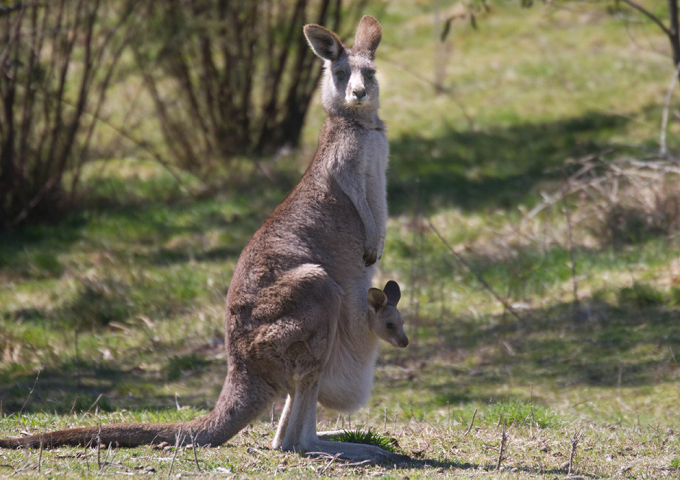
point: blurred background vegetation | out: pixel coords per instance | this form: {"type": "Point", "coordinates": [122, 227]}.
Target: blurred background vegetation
{"type": "Point", "coordinates": [533, 193]}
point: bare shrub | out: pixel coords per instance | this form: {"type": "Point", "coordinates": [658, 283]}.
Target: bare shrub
{"type": "Point", "coordinates": [621, 199]}
{"type": "Point", "coordinates": [57, 59]}
{"type": "Point", "coordinates": [651, 212]}
{"type": "Point", "coordinates": [232, 78]}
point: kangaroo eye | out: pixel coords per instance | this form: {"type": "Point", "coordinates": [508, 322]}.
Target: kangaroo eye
{"type": "Point", "coordinates": [370, 74]}
{"type": "Point", "coordinates": [340, 75]}
{"type": "Point", "coordinates": [390, 326]}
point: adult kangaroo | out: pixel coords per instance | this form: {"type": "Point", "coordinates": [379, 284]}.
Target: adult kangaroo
{"type": "Point", "coordinates": [296, 311]}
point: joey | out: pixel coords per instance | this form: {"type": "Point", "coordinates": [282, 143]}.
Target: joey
{"type": "Point", "coordinates": [384, 318]}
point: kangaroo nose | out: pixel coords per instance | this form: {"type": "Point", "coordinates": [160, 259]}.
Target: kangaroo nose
{"type": "Point", "coordinates": [404, 342]}
{"type": "Point", "coordinates": [360, 94]}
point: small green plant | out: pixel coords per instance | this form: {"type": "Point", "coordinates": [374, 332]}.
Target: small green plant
{"type": "Point", "coordinates": [366, 437]}
{"type": "Point", "coordinates": [521, 413]}
{"type": "Point", "coordinates": [675, 463]}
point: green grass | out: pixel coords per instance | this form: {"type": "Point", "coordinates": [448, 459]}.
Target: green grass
{"type": "Point", "coordinates": [520, 413]}
{"type": "Point", "coordinates": [366, 437]}
{"type": "Point", "coordinates": [121, 303]}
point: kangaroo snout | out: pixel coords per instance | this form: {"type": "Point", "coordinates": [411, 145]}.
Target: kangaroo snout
{"type": "Point", "coordinates": [359, 94]}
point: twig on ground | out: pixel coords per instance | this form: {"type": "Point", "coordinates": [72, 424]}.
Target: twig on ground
{"type": "Point", "coordinates": [574, 444]}
{"type": "Point", "coordinates": [99, 447]}
{"type": "Point", "coordinates": [385, 418]}
{"type": "Point", "coordinates": [356, 464]}
{"type": "Point", "coordinates": [193, 446]}
{"type": "Point", "coordinates": [673, 357]}
{"type": "Point", "coordinates": [178, 442]}
{"type": "Point", "coordinates": [504, 439]}
{"type": "Point", "coordinates": [40, 456]}
{"type": "Point", "coordinates": [472, 422]}
{"type": "Point", "coordinates": [330, 462]}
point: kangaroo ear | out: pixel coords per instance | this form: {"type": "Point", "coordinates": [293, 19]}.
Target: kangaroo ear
{"type": "Point", "coordinates": [324, 43]}
{"type": "Point", "coordinates": [392, 292]}
{"type": "Point", "coordinates": [368, 36]}
{"type": "Point", "coordinates": [376, 298]}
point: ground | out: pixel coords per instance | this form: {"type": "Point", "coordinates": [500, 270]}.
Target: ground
{"type": "Point", "coordinates": [115, 313]}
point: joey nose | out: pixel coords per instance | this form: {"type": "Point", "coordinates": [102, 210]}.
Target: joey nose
{"type": "Point", "coordinates": [359, 93]}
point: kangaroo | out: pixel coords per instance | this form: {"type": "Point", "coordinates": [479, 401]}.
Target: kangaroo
{"type": "Point", "coordinates": [295, 319]}
{"type": "Point", "coordinates": [383, 317]}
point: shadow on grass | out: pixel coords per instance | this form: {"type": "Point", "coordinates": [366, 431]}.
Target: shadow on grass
{"type": "Point", "coordinates": [495, 168]}
{"type": "Point", "coordinates": [483, 468]}
{"type": "Point", "coordinates": [600, 345]}
{"type": "Point", "coordinates": [127, 212]}
{"type": "Point", "coordinates": [77, 387]}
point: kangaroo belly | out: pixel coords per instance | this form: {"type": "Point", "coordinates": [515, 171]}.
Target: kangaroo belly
{"type": "Point", "coordinates": [348, 379]}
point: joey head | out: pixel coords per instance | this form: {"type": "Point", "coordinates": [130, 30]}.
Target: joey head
{"type": "Point", "coordinates": [384, 318]}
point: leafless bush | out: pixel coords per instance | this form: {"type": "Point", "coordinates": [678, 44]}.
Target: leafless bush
{"type": "Point", "coordinates": [57, 59]}
{"type": "Point", "coordinates": [622, 199]}
{"type": "Point", "coordinates": [232, 77]}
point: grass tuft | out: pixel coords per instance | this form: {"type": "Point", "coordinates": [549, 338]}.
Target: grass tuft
{"type": "Point", "coordinates": [366, 437]}
{"type": "Point", "coordinates": [521, 413]}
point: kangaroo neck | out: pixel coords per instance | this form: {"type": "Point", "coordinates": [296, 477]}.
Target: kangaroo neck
{"type": "Point", "coordinates": [364, 119]}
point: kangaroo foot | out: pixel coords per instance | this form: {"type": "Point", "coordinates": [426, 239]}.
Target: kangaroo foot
{"type": "Point", "coordinates": [354, 452]}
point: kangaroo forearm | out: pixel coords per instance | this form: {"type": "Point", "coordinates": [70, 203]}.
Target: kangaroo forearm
{"type": "Point", "coordinates": [357, 193]}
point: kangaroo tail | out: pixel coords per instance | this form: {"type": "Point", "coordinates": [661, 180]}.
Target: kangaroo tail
{"type": "Point", "coordinates": [121, 434]}
{"type": "Point", "coordinates": [239, 404]}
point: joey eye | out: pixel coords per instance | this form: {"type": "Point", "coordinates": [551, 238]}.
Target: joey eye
{"type": "Point", "coordinates": [390, 326]}
{"type": "Point", "coordinates": [370, 74]}
{"type": "Point", "coordinates": [340, 75]}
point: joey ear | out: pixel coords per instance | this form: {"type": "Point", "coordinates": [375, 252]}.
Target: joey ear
{"type": "Point", "coordinates": [324, 43]}
{"type": "Point", "coordinates": [368, 36]}
{"type": "Point", "coordinates": [376, 298]}
{"type": "Point", "coordinates": [393, 292]}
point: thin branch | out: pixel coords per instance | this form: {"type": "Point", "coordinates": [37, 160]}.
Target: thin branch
{"type": "Point", "coordinates": [574, 444]}
{"type": "Point", "coordinates": [666, 108]}
{"type": "Point", "coordinates": [501, 450]}
{"type": "Point", "coordinates": [29, 394]}
{"type": "Point", "coordinates": [472, 422]}
{"type": "Point", "coordinates": [649, 15]}
{"type": "Point", "coordinates": [567, 214]}
{"type": "Point", "coordinates": [479, 277]}
{"type": "Point", "coordinates": [193, 446]}
{"type": "Point", "coordinates": [12, 38]}
{"type": "Point", "coordinates": [6, 10]}
{"type": "Point", "coordinates": [178, 441]}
